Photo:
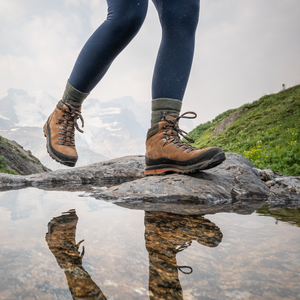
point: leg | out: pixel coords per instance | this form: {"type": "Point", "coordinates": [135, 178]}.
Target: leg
{"type": "Point", "coordinates": [124, 20]}
{"type": "Point", "coordinates": [179, 21]}
{"type": "Point", "coordinates": [165, 151]}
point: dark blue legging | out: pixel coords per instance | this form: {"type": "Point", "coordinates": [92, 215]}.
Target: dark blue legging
{"type": "Point", "coordinates": [178, 19]}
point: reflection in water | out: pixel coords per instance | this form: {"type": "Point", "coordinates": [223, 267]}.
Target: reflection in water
{"type": "Point", "coordinates": [291, 216]}
{"type": "Point", "coordinates": [61, 242]}
{"type": "Point", "coordinates": [166, 234]}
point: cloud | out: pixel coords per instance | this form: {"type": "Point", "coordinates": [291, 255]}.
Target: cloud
{"type": "Point", "coordinates": [244, 49]}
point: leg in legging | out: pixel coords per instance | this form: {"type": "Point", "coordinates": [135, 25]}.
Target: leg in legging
{"type": "Point", "coordinates": [124, 20]}
{"type": "Point", "coordinates": [165, 151]}
{"type": "Point", "coordinates": [179, 19]}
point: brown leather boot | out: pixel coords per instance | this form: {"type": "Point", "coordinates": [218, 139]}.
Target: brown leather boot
{"type": "Point", "coordinates": [61, 242]}
{"type": "Point", "coordinates": [167, 234]}
{"type": "Point", "coordinates": [166, 152]}
{"type": "Point", "coordinates": [59, 131]}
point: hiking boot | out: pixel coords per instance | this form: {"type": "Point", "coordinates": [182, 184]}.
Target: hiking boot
{"type": "Point", "coordinates": [61, 242]}
{"type": "Point", "coordinates": [59, 131]}
{"type": "Point", "coordinates": [166, 152]}
{"type": "Point", "coordinates": [167, 234]}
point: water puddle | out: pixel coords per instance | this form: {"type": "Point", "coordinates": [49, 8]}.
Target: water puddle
{"type": "Point", "coordinates": [133, 254]}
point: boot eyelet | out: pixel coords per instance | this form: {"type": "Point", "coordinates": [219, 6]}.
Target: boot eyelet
{"type": "Point", "coordinates": [164, 140]}
{"type": "Point", "coordinates": [165, 132]}
{"type": "Point", "coordinates": [183, 149]}
{"type": "Point", "coordinates": [164, 127]}
{"type": "Point", "coordinates": [177, 146]}
{"type": "Point", "coordinates": [61, 133]}
{"type": "Point", "coordinates": [60, 138]}
{"type": "Point", "coordinates": [60, 143]}
{"type": "Point", "coordinates": [62, 127]}
{"type": "Point", "coordinates": [189, 150]}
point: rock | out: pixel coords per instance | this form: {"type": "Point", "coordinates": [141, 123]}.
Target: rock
{"type": "Point", "coordinates": [223, 125]}
{"type": "Point", "coordinates": [285, 192]}
{"type": "Point", "coordinates": [280, 197]}
{"type": "Point", "coordinates": [290, 182]}
{"type": "Point", "coordinates": [19, 160]}
{"type": "Point", "coordinates": [270, 183]}
{"type": "Point", "coordinates": [106, 173]}
{"type": "Point", "coordinates": [265, 174]}
{"type": "Point", "coordinates": [233, 186]}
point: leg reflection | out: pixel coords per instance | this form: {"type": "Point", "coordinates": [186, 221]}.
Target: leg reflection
{"type": "Point", "coordinates": [167, 234]}
{"type": "Point", "coordinates": [62, 244]}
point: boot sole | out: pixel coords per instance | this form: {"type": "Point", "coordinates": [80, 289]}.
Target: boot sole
{"type": "Point", "coordinates": [167, 168]}
{"type": "Point", "coordinates": [69, 162]}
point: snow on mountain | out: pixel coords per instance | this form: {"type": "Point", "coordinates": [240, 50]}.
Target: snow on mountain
{"type": "Point", "coordinates": [111, 128]}
{"type": "Point", "coordinates": [20, 108]}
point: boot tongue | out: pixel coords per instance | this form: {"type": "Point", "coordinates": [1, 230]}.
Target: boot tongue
{"type": "Point", "coordinates": [170, 116]}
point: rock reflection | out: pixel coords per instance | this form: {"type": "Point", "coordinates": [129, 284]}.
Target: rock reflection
{"type": "Point", "coordinates": [167, 234]}
{"type": "Point", "coordinates": [291, 216]}
{"type": "Point", "coordinates": [61, 242]}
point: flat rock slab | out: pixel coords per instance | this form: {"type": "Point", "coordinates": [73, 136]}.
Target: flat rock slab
{"type": "Point", "coordinates": [107, 173]}
{"type": "Point", "coordinates": [232, 186]}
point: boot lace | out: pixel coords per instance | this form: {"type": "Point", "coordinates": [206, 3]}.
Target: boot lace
{"type": "Point", "coordinates": [173, 132]}
{"type": "Point", "coordinates": [69, 122]}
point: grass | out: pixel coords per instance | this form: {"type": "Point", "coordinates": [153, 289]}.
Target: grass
{"type": "Point", "coordinates": [4, 168]}
{"type": "Point", "coordinates": [267, 132]}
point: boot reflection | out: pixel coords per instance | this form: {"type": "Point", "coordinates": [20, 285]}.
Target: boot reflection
{"type": "Point", "coordinates": [62, 244]}
{"type": "Point", "coordinates": [166, 234]}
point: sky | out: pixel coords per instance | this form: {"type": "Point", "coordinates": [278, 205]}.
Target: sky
{"type": "Point", "coordinates": [244, 50]}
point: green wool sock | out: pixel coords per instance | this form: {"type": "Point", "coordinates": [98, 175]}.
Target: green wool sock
{"type": "Point", "coordinates": [72, 96]}
{"type": "Point", "coordinates": [163, 106]}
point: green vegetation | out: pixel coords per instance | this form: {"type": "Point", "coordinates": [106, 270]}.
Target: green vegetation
{"type": "Point", "coordinates": [4, 168]}
{"type": "Point", "coordinates": [267, 132]}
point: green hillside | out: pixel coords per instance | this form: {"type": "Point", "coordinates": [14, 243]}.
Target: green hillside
{"type": "Point", "coordinates": [14, 159]}
{"type": "Point", "coordinates": [266, 131]}
{"type": "Point", "coordinates": [4, 168]}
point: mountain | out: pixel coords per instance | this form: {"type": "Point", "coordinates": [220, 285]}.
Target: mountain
{"type": "Point", "coordinates": [14, 159]}
{"type": "Point", "coordinates": [266, 131]}
{"type": "Point", "coordinates": [113, 128]}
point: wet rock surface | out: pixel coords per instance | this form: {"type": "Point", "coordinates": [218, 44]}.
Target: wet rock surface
{"type": "Point", "coordinates": [234, 186]}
